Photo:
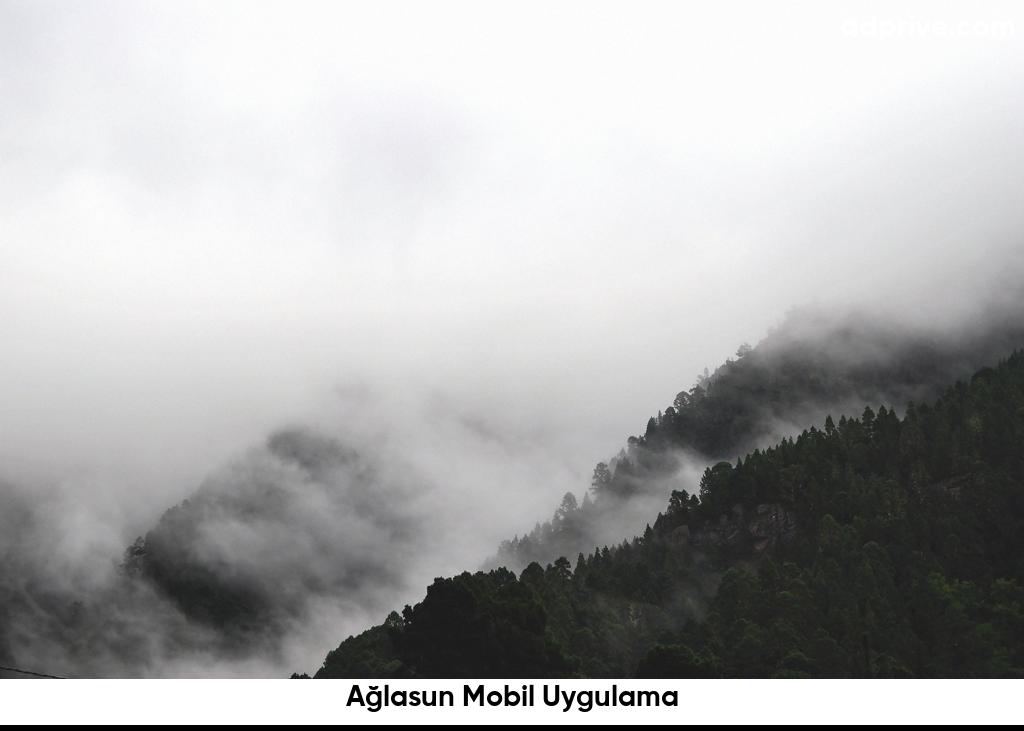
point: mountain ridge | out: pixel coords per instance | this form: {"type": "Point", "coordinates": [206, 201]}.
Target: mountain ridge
{"type": "Point", "coordinates": [875, 546]}
{"type": "Point", "coordinates": [812, 364]}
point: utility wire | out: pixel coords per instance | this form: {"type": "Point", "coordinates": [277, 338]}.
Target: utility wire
{"type": "Point", "coordinates": [29, 672]}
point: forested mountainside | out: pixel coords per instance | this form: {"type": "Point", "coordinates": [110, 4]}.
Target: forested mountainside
{"type": "Point", "coordinates": [226, 556]}
{"type": "Point", "coordinates": [302, 518]}
{"type": "Point", "coordinates": [874, 546]}
{"type": "Point", "coordinates": [290, 527]}
{"type": "Point", "coordinates": [813, 364]}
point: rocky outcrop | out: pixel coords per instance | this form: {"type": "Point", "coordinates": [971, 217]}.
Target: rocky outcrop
{"type": "Point", "coordinates": [770, 525]}
{"type": "Point", "coordinates": [757, 530]}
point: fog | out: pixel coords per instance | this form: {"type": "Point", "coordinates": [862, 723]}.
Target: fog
{"type": "Point", "coordinates": [477, 244]}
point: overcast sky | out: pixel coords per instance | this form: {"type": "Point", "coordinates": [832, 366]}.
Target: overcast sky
{"type": "Point", "coordinates": [543, 218]}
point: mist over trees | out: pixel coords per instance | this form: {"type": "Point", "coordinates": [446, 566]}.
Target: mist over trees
{"type": "Point", "coordinates": [303, 305]}
{"type": "Point", "coordinates": [305, 533]}
{"type": "Point", "coordinates": [299, 527]}
{"type": "Point", "coordinates": [814, 363]}
{"type": "Point", "coordinates": [248, 552]}
{"type": "Point", "coordinates": [874, 546]}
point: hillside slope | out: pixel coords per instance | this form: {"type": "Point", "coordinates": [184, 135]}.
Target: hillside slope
{"type": "Point", "coordinates": [814, 364]}
{"type": "Point", "coordinates": [303, 518]}
{"type": "Point", "coordinates": [875, 546]}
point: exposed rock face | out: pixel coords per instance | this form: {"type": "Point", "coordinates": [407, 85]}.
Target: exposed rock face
{"type": "Point", "coordinates": [770, 525]}
{"type": "Point", "coordinates": [680, 536]}
{"type": "Point", "coordinates": [759, 530]}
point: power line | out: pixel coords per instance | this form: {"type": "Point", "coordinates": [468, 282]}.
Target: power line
{"type": "Point", "coordinates": [29, 672]}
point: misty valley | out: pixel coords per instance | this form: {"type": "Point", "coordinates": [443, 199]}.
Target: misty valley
{"type": "Point", "coordinates": [461, 363]}
{"type": "Point", "coordinates": [843, 499]}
